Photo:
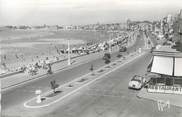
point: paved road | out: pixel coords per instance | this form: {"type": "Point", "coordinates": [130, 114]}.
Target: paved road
{"type": "Point", "coordinates": [25, 92]}
{"type": "Point", "coordinates": [110, 97]}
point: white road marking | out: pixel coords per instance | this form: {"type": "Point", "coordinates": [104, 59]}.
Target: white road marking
{"type": "Point", "coordinates": [72, 92]}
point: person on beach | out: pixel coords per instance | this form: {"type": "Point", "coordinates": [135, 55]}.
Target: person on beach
{"type": "Point", "coordinates": [49, 69]}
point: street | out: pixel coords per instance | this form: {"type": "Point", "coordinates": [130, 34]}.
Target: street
{"type": "Point", "coordinates": [109, 96]}
{"type": "Point", "coordinates": [91, 58]}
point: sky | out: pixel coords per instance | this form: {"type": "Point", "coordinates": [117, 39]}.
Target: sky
{"type": "Point", "coordinates": [74, 12]}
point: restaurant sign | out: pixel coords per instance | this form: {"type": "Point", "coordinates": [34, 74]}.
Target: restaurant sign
{"type": "Point", "coordinates": [164, 89]}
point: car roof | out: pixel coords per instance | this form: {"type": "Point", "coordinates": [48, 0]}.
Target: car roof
{"type": "Point", "coordinates": [137, 77]}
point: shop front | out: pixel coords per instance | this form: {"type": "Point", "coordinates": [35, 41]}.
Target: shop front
{"type": "Point", "coordinates": [167, 67]}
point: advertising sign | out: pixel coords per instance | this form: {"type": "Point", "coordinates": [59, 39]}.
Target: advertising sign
{"type": "Point", "coordinates": [165, 89]}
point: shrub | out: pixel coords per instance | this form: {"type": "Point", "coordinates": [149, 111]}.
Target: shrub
{"type": "Point", "coordinates": [54, 86]}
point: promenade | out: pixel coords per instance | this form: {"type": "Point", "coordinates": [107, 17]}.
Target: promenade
{"type": "Point", "coordinates": [19, 79]}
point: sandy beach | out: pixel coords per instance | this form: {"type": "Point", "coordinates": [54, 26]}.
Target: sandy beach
{"type": "Point", "coordinates": [22, 47]}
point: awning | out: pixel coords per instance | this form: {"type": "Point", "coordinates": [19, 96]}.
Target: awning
{"type": "Point", "coordinates": [162, 65]}
{"type": "Point", "coordinates": [178, 67]}
{"type": "Point", "coordinates": [166, 65]}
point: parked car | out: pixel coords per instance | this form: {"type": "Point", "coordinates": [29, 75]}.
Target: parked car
{"type": "Point", "coordinates": [137, 82]}
{"type": "Point", "coordinates": [122, 49]}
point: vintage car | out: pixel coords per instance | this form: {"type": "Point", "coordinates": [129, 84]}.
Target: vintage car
{"type": "Point", "coordinates": [122, 49]}
{"type": "Point", "coordinates": [137, 82]}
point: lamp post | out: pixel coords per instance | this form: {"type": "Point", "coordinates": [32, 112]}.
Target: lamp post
{"type": "Point", "coordinates": [69, 58]}
{"type": "Point", "coordinates": [128, 41]}
{"type": "Point", "coordinates": [110, 43]}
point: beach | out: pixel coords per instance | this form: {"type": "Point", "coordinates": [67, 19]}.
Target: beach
{"type": "Point", "coordinates": [23, 47]}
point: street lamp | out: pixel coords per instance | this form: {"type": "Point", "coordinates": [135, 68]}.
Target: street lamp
{"type": "Point", "coordinates": [110, 43]}
{"type": "Point", "coordinates": [128, 39]}
{"type": "Point", "coordinates": [69, 58]}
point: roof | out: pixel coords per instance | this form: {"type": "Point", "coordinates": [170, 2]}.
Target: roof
{"type": "Point", "coordinates": [167, 51]}
{"type": "Point", "coordinates": [167, 54]}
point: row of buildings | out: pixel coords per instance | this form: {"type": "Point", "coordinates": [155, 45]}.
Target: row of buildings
{"type": "Point", "coordinates": [128, 25]}
{"type": "Point", "coordinates": [168, 26]}
{"type": "Point", "coordinates": [98, 26]}
{"type": "Point", "coordinates": [165, 66]}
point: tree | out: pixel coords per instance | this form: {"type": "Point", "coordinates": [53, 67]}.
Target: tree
{"type": "Point", "coordinates": [107, 61]}
{"type": "Point", "coordinates": [54, 86]}
{"type": "Point", "coordinates": [91, 68]}
{"type": "Point", "coordinates": [107, 57]}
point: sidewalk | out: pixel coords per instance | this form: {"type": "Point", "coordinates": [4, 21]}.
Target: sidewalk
{"type": "Point", "coordinates": [21, 78]}
{"type": "Point", "coordinates": [17, 79]}
{"type": "Point", "coordinates": [174, 99]}
{"type": "Point", "coordinates": [14, 68]}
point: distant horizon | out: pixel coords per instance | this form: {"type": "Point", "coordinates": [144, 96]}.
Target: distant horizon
{"type": "Point", "coordinates": [75, 24]}
{"type": "Point", "coordinates": [82, 12]}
